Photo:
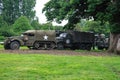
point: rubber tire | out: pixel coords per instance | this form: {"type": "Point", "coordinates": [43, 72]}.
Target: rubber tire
{"type": "Point", "coordinates": [82, 47]}
{"type": "Point", "coordinates": [15, 45]}
{"type": "Point", "coordinates": [6, 46]}
{"type": "Point", "coordinates": [88, 47]}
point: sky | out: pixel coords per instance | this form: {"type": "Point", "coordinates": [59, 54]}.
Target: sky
{"type": "Point", "coordinates": [42, 19]}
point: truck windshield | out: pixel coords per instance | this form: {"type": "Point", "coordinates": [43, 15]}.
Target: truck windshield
{"type": "Point", "coordinates": [63, 35]}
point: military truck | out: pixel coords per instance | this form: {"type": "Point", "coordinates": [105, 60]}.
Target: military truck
{"type": "Point", "coordinates": [75, 40]}
{"type": "Point", "coordinates": [51, 39]}
{"type": "Point", "coordinates": [33, 39]}
{"type": "Point", "coordinates": [101, 41]}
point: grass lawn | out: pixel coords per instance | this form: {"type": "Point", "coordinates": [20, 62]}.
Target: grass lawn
{"type": "Point", "coordinates": [58, 67]}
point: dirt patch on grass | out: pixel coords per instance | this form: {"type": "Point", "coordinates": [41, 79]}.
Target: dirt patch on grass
{"type": "Point", "coordinates": [58, 52]}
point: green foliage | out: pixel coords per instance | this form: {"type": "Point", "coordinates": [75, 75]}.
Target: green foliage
{"type": "Point", "coordinates": [2, 38]}
{"type": "Point", "coordinates": [94, 26]}
{"type": "Point", "coordinates": [47, 26]}
{"type": "Point", "coordinates": [13, 9]}
{"type": "Point", "coordinates": [72, 10]}
{"type": "Point", "coordinates": [58, 67]}
{"type": "Point", "coordinates": [35, 24]}
{"type": "Point", "coordinates": [115, 28]}
{"type": "Point", "coordinates": [107, 10]}
{"type": "Point", "coordinates": [10, 11]}
{"type": "Point", "coordinates": [5, 30]}
{"type": "Point", "coordinates": [2, 22]}
{"type": "Point", "coordinates": [21, 24]}
{"type": "Point", "coordinates": [58, 27]}
{"type": "Point", "coordinates": [75, 10]}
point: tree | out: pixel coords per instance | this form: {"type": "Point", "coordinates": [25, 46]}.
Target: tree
{"type": "Point", "coordinates": [2, 22]}
{"type": "Point", "coordinates": [13, 9]}
{"type": "Point", "coordinates": [47, 26]}
{"type": "Point", "coordinates": [94, 26]}
{"type": "Point", "coordinates": [5, 30]}
{"type": "Point", "coordinates": [21, 24]}
{"type": "Point", "coordinates": [71, 10]}
{"type": "Point", "coordinates": [75, 10]}
{"type": "Point", "coordinates": [35, 24]}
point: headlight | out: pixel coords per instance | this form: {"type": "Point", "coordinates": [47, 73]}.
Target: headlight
{"type": "Point", "coordinates": [68, 41]}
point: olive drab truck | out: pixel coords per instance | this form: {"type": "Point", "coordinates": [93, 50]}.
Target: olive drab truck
{"type": "Point", "coordinates": [75, 40]}
{"type": "Point", "coordinates": [33, 39]}
{"type": "Point", "coordinates": [50, 39]}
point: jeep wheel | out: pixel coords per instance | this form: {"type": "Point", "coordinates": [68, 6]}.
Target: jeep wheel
{"type": "Point", "coordinates": [14, 45]}
{"type": "Point", "coordinates": [6, 46]}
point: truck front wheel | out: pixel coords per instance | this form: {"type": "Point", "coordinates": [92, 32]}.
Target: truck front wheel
{"type": "Point", "coordinates": [15, 45]}
{"type": "Point", "coordinates": [60, 46]}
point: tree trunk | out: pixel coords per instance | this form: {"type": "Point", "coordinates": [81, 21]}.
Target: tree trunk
{"type": "Point", "coordinates": [113, 43]}
{"type": "Point", "coordinates": [118, 46]}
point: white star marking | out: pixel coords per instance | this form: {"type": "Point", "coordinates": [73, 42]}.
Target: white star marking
{"type": "Point", "coordinates": [45, 37]}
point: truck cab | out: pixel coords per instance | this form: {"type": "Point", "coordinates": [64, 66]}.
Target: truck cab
{"type": "Point", "coordinates": [64, 40]}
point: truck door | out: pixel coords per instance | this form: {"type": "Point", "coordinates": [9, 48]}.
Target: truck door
{"type": "Point", "coordinates": [31, 39]}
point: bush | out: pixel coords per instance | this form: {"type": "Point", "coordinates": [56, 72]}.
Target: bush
{"type": "Point", "coordinates": [2, 38]}
{"type": "Point", "coordinates": [6, 31]}
{"type": "Point", "coordinates": [21, 24]}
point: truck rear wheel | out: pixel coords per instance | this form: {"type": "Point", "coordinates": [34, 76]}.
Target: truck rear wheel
{"type": "Point", "coordinates": [82, 46]}
{"type": "Point", "coordinates": [14, 45]}
{"type": "Point", "coordinates": [88, 47]}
